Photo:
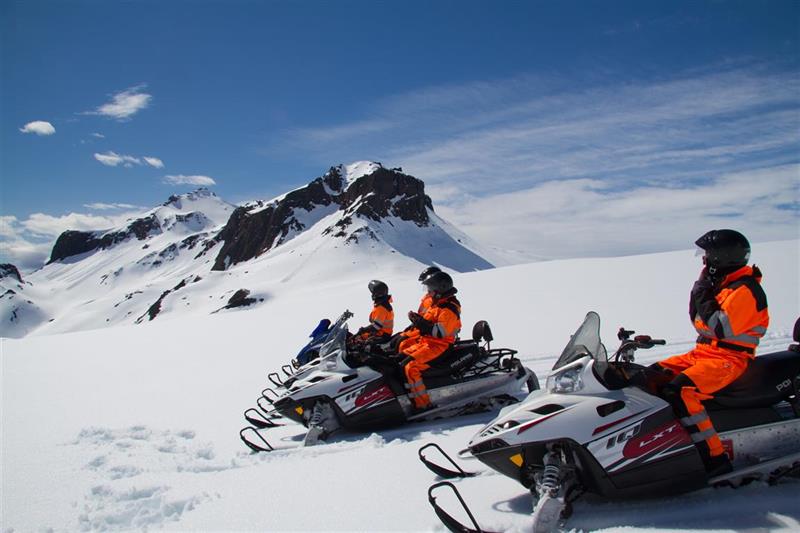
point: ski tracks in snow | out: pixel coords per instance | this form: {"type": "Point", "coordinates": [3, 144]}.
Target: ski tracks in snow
{"type": "Point", "coordinates": [129, 467]}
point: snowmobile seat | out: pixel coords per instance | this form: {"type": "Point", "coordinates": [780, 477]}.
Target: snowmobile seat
{"type": "Point", "coordinates": [796, 347]}
{"type": "Point", "coordinates": [458, 357]}
{"type": "Point", "coordinates": [767, 381]}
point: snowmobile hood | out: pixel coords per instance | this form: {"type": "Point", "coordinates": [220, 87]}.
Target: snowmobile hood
{"type": "Point", "coordinates": [582, 416]}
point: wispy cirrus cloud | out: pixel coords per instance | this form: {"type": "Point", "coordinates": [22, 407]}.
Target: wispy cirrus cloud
{"type": "Point", "coordinates": [100, 206]}
{"type": "Point", "coordinates": [39, 127]}
{"type": "Point", "coordinates": [180, 179]}
{"type": "Point", "coordinates": [124, 104]}
{"type": "Point", "coordinates": [153, 162]}
{"type": "Point", "coordinates": [113, 159]}
{"type": "Point", "coordinates": [590, 217]}
{"type": "Point", "coordinates": [541, 140]}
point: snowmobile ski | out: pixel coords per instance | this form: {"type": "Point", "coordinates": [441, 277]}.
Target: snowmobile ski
{"type": "Point", "coordinates": [268, 409]}
{"type": "Point", "coordinates": [259, 420]}
{"type": "Point", "coordinates": [275, 379]}
{"type": "Point", "coordinates": [451, 523]}
{"type": "Point", "coordinates": [254, 440]}
{"type": "Point", "coordinates": [439, 470]}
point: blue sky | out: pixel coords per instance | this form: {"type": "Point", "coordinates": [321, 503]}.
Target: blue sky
{"type": "Point", "coordinates": [556, 128]}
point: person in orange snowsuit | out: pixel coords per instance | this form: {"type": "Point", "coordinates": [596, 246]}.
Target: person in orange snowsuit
{"type": "Point", "coordinates": [432, 334]}
{"type": "Point", "coordinates": [728, 308]}
{"type": "Point", "coordinates": [381, 318]}
{"type": "Point", "coordinates": [424, 305]}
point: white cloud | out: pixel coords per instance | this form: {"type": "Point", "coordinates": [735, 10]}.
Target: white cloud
{"type": "Point", "coordinates": [584, 217]}
{"type": "Point", "coordinates": [153, 162]}
{"type": "Point", "coordinates": [180, 179]}
{"type": "Point", "coordinates": [557, 162]}
{"type": "Point", "coordinates": [39, 127]}
{"type": "Point", "coordinates": [125, 104]}
{"type": "Point", "coordinates": [113, 159]}
{"type": "Point", "coordinates": [98, 135]}
{"type": "Point", "coordinates": [27, 243]}
{"type": "Point", "coordinates": [100, 206]}
{"type": "Point", "coordinates": [25, 255]}
{"type": "Point", "coordinates": [43, 225]}
{"type": "Point", "coordinates": [8, 226]}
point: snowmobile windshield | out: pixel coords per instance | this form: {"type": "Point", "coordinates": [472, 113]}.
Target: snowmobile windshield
{"type": "Point", "coordinates": [585, 341]}
{"type": "Point", "coordinates": [331, 351]}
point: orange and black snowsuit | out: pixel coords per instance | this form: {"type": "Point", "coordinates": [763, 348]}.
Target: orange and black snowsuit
{"type": "Point", "coordinates": [381, 321]}
{"type": "Point", "coordinates": [429, 339]}
{"type": "Point", "coordinates": [424, 304]}
{"type": "Point", "coordinates": [730, 320]}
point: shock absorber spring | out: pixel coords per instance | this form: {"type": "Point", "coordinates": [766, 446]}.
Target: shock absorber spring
{"type": "Point", "coordinates": [316, 416]}
{"type": "Point", "coordinates": [551, 476]}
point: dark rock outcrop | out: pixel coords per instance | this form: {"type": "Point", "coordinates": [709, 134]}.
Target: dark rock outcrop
{"type": "Point", "coordinates": [257, 228]}
{"type": "Point", "coordinates": [73, 242]}
{"type": "Point", "coordinates": [7, 270]}
{"type": "Point", "coordinates": [240, 299]}
{"type": "Point", "coordinates": [155, 308]}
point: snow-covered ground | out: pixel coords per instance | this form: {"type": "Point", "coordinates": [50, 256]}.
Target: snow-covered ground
{"type": "Point", "coordinates": [137, 426]}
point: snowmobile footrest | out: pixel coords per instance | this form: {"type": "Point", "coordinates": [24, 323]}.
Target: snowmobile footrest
{"type": "Point", "coordinates": [451, 523]}
{"type": "Point", "coordinates": [765, 468]}
{"type": "Point", "coordinates": [439, 470]}
{"type": "Point", "coordinates": [253, 439]}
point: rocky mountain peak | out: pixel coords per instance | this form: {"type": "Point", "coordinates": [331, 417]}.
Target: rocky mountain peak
{"type": "Point", "coordinates": [364, 189]}
{"type": "Point", "coordinates": [176, 200]}
{"type": "Point", "coordinates": [7, 270]}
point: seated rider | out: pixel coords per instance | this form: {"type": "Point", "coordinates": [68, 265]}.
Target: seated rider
{"type": "Point", "coordinates": [424, 305]}
{"type": "Point", "coordinates": [432, 334]}
{"type": "Point", "coordinates": [381, 319]}
{"type": "Point", "coordinates": [729, 310]}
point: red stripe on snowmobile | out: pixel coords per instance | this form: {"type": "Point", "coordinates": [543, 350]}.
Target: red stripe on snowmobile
{"type": "Point", "coordinates": [529, 425]}
{"type": "Point", "coordinates": [665, 436]}
{"type": "Point", "coordinates": [612, 424]}
{"type": "Point", "coordinates": [377, 395]}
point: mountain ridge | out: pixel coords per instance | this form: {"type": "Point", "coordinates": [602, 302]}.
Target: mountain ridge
{"type": "Point", "coordinates": [183, 256]}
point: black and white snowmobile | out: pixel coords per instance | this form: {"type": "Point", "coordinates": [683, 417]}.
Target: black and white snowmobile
{"type": "Point", "coordinates": [592, 430]}
{"type": "Point", "coordinates": [358, 391]}
{"type": "Point", "coordinates": [305, 362]}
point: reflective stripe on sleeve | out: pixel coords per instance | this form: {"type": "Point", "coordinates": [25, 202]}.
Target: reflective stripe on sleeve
{"type": "Point", "coordinates": [700, 436]}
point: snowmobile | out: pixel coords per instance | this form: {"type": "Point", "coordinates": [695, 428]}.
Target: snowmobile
{"type": "Point", "coordinates": [306, 361]}
{"type": "Point", "coordinates": [595, 429]}
{"type": "Point", "coordinates": [360, 389]}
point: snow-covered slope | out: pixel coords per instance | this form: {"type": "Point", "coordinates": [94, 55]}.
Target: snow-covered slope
{"type": "Point", "coordinates": [137, 426]}
{"type": "Point", "coordinates": [191, 254]}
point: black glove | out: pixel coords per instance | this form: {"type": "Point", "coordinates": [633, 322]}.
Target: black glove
{"type": "Point", "coordinates": [424, 326]}
{"type": "Point", "coordinates": [701, 300]}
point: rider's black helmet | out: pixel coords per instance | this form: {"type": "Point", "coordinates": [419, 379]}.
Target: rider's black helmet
{"type": "Point", "coordinates": [428, 271]}
{"type": "Point", "coordinates": [378, 289]}
{"type": "Point", "coordinates": [438, 282]}
{"type": "Point", "coordinates": [725, 250]}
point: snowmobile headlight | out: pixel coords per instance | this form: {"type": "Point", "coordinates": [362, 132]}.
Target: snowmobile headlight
{"type": "Point", "coordinates": [567, 381]}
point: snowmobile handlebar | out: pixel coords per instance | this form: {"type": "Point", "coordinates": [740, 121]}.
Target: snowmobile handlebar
{"type": "Point", "coordinates": [629, 346]}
